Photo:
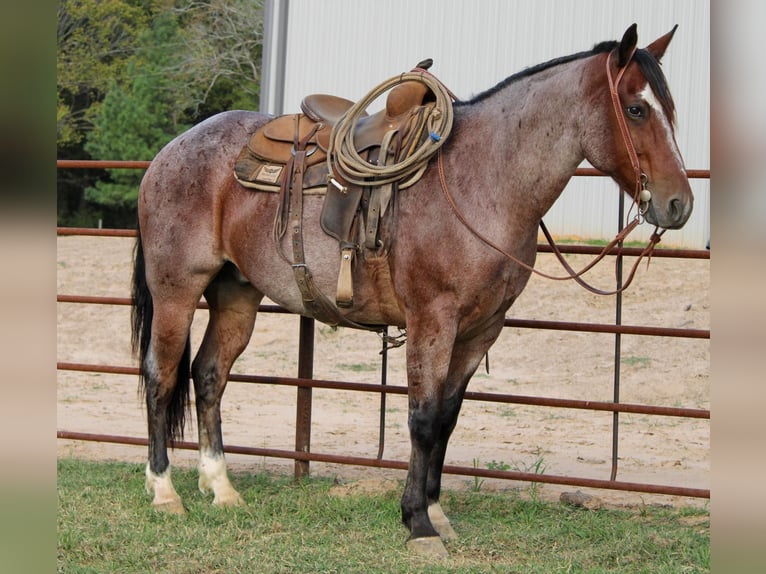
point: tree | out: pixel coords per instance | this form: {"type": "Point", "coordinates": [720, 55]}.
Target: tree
{"type": "Point", "coordinates": [132, 74]}
{"type": "Point", "coordinates": [223, 45]}
{"type": "Point", "coordinates": [136, 119]}
{"type": "Point", "coordinates": [95, 41]}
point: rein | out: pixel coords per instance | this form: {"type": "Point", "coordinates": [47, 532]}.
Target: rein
{"type": "Point", "coordinates": [640, 192]}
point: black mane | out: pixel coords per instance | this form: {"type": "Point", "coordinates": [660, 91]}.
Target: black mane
{"type": "Point", "coordinates": [648, 64]}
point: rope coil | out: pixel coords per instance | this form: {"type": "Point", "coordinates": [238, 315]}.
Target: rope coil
{"type": "Point", "coordinates": [345, 161]}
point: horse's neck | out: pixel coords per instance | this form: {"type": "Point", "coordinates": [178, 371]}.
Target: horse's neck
{"type": "Point", "coordinates": [529, 138]}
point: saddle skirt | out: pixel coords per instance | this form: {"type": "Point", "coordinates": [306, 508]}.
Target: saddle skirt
{"type": "Point", "coordinates": [262, 162]}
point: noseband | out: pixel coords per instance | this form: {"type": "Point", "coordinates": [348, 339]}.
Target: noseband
{"type": "Point", "coordinates": [640, 194]}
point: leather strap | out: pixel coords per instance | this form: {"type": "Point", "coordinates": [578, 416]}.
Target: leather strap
{"type": "Point", "coordinates": [376, 204]}
{"type": "Point", "coordinates": [314, 301]}
{"type": "Point", "coordinates": [615, 96]}
{"type": "Point", "coordinates": [572, 274]}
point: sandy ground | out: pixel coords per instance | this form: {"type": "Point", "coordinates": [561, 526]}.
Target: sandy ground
{"type": "Point", "coordinates": [659, 371]}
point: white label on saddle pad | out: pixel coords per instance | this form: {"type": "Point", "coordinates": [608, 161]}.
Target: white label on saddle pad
{"type": "Point", "coordinates": [269, 173]}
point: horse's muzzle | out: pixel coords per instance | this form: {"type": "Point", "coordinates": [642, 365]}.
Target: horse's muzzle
{"type": "Point", "coordinates": [672, 215]}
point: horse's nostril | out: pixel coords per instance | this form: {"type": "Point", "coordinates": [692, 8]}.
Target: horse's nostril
{"type": "Point", "coordinates": [676, 209]}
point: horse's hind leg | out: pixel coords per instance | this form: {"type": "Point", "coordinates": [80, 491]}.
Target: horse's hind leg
{"type": "Point", "coordinates": [233, 307]}
{"type": "Point", "coordinates": [166, 377]}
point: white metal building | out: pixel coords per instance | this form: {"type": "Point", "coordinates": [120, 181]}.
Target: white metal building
{"type": "Point", "coordinates": [347, 47]}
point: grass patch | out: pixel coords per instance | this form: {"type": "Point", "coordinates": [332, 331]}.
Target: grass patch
{"type": "Point", "coordinates": [358, 367]}
{"type": "Point", "coordinates": [639, 362]}
{"type": "Point", "coordinates": [105, 524]}
{"type": "Point", "coordinates": [603, 242]}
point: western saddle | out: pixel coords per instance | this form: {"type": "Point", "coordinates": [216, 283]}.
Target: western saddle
{"type": "Point", "coordinates": [335, 148]}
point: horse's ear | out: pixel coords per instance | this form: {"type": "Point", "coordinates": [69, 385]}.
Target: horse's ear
{"type": "Point", "coordinates": [658, 47]}
{"type": "Point", "coordinates": [627, 45]}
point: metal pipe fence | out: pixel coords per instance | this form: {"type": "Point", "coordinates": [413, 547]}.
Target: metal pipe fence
{"type": "Point", "coordinates": [305, 383]}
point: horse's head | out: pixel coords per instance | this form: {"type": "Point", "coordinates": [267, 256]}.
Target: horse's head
{"type": "Point", "coordinates": [638, 147]}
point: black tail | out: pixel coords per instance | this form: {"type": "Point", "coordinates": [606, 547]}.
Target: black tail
{"type": "Point", "coordinates": [141, 319]}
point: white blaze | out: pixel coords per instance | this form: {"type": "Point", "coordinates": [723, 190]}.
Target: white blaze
{"type": "Point", "coordinates": [647, 94]}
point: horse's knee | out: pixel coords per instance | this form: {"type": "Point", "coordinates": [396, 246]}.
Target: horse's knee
{"type": "Point", "coordinates": [423, 424]}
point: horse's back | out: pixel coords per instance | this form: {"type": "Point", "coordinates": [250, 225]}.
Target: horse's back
{"type": "Point", "coordinates": [207, 148]}
{"type": "Point", "coordinates": [195, 165]}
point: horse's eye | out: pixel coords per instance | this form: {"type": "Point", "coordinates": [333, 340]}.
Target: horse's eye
{"type": "Point", "coordinates": [635, 111]}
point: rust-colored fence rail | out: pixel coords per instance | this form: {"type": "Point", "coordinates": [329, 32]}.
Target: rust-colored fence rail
{"type": "Point", "coordinates": [304, 382]}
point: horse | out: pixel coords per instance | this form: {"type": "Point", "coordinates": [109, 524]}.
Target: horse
{"type": "Point", "coordinates": [511, 152]}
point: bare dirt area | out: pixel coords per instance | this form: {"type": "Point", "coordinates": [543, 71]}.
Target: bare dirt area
{"type": "Point", "coordinates": [658, 371]}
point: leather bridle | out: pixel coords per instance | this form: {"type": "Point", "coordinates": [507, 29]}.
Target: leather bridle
{"type": "Point", "coordinates": [640, 185]}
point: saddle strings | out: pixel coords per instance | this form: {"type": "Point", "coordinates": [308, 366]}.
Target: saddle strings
{"type": "Point", "coordinates": [618, 239]}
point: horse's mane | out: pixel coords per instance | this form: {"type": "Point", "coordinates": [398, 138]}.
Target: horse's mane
{"type": "Point", "coordinates": [648, 64]}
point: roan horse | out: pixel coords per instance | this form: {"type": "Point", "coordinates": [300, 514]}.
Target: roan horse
{"type": "Point", "coordinates": [512, 150]}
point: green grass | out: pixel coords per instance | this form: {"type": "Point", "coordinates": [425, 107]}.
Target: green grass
{"type": "Point", "coordinates": [105, 524]}
{"type": "Point", "coordinates": [359, 367]}
{"type": "Point", "coordinates": [602, 242]}
{"type": "Point", "coordinates": [640, 362]}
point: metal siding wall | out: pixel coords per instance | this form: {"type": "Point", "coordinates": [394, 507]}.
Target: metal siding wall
{"type": "Point", "coordinates": [346, 47]}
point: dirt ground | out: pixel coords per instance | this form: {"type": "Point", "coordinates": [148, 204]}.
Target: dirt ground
{"type": "Point", "coordinates": [660, 371]}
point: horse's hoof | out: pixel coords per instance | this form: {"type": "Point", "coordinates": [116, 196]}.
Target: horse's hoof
{"type": "Point", "coordinates": [430, 546]}
{"type": "Point", "coordinates": [170, 507]}
{"type": "Point", "coordinates": [229, 499]}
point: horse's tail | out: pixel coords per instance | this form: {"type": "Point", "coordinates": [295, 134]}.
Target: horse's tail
{"type": "Point", "coordinates": [142, 312]}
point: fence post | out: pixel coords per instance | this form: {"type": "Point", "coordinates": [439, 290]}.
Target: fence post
{"type": "Point", "coordinates": [303, 401]}
{"type": "Point", "coordinates": [617, 342]}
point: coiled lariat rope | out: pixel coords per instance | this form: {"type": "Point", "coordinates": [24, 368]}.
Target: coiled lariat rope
{"type": "Point", "coordinates": [345, 162]}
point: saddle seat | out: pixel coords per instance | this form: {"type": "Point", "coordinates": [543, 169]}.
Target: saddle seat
{"type": "Point", "coordinates": [325, 108]}
{"type": "Point", "coordinates": [370, 129]}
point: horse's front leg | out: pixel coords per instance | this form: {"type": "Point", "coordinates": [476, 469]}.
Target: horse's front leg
{"type": "Point", "coordinates": [429, 348]}
{"type": "Point", "coordinates": [233, 307]}
{"type": "Point", "coordinates": [466, 357]}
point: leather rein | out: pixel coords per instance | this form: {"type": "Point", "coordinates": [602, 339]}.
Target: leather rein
{"type": "Point", "coordinates": [640, 185]}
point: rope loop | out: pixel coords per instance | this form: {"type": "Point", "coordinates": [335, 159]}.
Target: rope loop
{"type": "Point", "coordinates": [345, 161]}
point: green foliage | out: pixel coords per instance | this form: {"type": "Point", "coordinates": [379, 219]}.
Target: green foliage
{"type": "Point", "coordinates": [133, 74]}
{"type": "Point", "coordinates": [495, 465]}
{"type": "Point", "coordinates": [95, 41]}
{"type": "Point", "coordinates": [222, 53]}
{"type": "Point", "coordinates": [135, 121]}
